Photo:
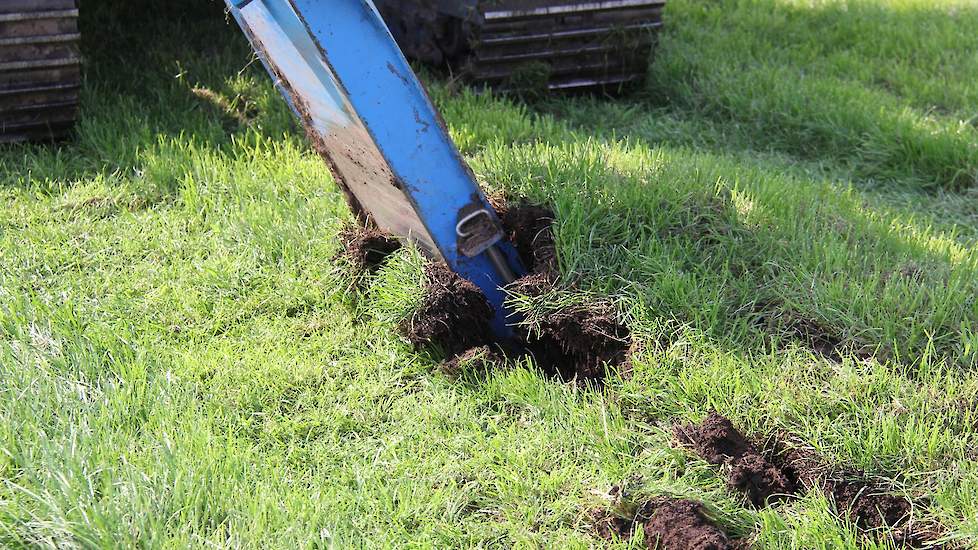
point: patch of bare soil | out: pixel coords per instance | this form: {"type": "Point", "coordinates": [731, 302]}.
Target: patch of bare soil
{"type": "Point", "coordinates": [475, 360]}
{"type": "Point", "coordinates": [668, 524]}
{"type": "Point", "coordinates": [454, 315]}
{"type": "Point", "coordinates": [366, 247]}
{"type": "Point", "coordinates": [679, 524]}
{"type": "Point", "coordinates": [780, 471]}
{"type": "Point", "coordinates": [748, 471]}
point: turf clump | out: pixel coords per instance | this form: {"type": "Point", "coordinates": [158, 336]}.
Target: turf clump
{"type": "Point", "coordinates": [454, 315]}
{"type": "Point", "coordinates": [366, 248]}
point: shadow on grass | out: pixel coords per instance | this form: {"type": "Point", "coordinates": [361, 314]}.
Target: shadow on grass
{"type": "Point", "coordinates": [882, 92]}
{"type": "Point", "coordinates": [159, 82]}
{"type": "Point", "coordinates": [746, 251]}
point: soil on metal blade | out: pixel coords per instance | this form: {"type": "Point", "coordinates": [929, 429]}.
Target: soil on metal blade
{"type": "Point", "coordinates": [366, 247]}
{"type": "Point", "coordinates": [679, 524]}
{"type": "Point", "coordinates": [717, 441]}
{"type": "Point", "coordinates": [454, 315]}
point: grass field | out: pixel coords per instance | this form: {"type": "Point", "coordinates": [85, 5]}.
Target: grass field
{"type": "Point", "coordinates": [183, 362]}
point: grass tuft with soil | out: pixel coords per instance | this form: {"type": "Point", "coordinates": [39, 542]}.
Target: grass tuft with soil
{"type": "Point", "coordinates": [777, 233]}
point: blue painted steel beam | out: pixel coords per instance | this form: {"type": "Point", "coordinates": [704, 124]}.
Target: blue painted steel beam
{"type": "Point", "coordinates": [366, 112]}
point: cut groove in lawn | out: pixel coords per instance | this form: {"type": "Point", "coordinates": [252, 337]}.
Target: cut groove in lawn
{"type": "Point", "coordinates": [779, 471]}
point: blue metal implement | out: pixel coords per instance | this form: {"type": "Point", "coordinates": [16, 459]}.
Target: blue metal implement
{"type": "Point", "coordinates": [366, 113]}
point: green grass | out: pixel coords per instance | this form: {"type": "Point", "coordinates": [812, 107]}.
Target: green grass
{"type": "Point", "coordinates": [183, 363]}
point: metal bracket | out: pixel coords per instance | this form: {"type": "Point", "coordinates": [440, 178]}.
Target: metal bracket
{"type": "Point", "coordinates": [476, 232]}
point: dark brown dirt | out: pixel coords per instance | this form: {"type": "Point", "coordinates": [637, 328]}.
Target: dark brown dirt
{"type": "Point", "coordinates": [529, 228]}
{"type": "Point", "coordinates": [577, 343]}
{"type": "Point", "coordinates": [716, 439]}
{"type": "Point", "coordinates": [782, 470]}
{"type": "Point", "coordinates": [481, 359]}
{"type": "Point", "coordinates": [365, 247]}
{"type": "Point", "coordinates": [681, 525]}
{"type": "Point", "coordinates": [749, 472]}
{"type": "Point", "coordinates": [574, 343]}
{"type": "Point", "coordinates": [869, 506]}
{"type": "Point", "coordinates": [454, 315]}
{"type": "Point", "coordinates": [612, 527]}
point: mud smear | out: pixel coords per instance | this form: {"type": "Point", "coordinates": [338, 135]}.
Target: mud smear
{"type": "Point", "coordinates": [668, 524]}
{"type": "Point", "coordinates": [366, 248]}
{"type": "Point", "coordinates": [749, 472]}
{"type": "Point", "coordinates": [780, 471]}
{"type": "Point", "coordinates": [454, 315]}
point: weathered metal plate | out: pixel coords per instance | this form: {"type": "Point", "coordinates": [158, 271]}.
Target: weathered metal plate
{"type": "Point", "coordinates": [366, 113]}
{"type": "Point", "coordinates": [40, 68]}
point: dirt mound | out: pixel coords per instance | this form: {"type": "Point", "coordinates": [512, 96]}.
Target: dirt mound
{"type": "Point", "coordinates": [610, 527]}
{"type": "Point", "coordinates": [781, 470]}
{"type": "Point", "coordinates": [715, 439]}
{"type": "Point", "coordinates": [681, 525]}
{"type": "Point", "coordinates": [866, 506]}
{"type": "Point", "coordinates": [480, 359]}
{"type": "Point", "coordinates": [529, 228]}
{"type": "Point", "coordinates": [749, 472]}
{"type": "Point", "coordinates": [365, 247]}
{"type": "Point", "coordinates": [668, 524]}
{"type": "Point", "coordinates": [576, 343]}
{"type": "Point", "coordinates": [454, 314]}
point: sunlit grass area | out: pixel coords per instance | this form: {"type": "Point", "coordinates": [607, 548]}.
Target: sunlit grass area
{"type": "Point", "coordinates": [185, 363]}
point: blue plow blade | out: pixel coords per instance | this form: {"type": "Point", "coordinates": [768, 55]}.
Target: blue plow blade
{"type": "Point", "coordinates": [366, 113]}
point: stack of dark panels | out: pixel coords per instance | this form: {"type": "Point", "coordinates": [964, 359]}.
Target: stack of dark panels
{"type": "Point", "coordinates": [40, 68]}
{"type": "Point", "coordinates": [576, 44]}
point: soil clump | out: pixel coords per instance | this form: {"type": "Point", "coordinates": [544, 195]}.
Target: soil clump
{"type": "Point", "coordinates": [366, 247]}
{"type": "Point", "coordinates": [679, 524]}
{"type": "Point", "coordinates": [668, 524]}
{"type": "Point", "coordinates": [780, 471]}
{"type": "Point", "coordinates": [573, 343]}
{"type": "Point", "coordinates": [748, 471]}
{"type": "Point", "coordinates": [454, 314]}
